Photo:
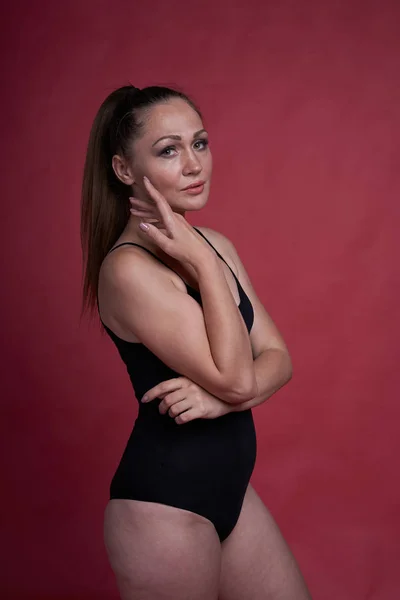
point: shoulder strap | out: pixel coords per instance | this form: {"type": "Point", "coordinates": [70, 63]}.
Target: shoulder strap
{"type": "Point", "coordinates": [220, 255]}
{"type": "Point", "coordinates": [168, 267]}
{"type": "Point", "coordinates": [147, 250]}
{"type": "Point", "coordinates": [155, 256]}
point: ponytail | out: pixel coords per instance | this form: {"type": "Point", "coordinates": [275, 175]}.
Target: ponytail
{"type": "Point", "coordinates": [105, 199]}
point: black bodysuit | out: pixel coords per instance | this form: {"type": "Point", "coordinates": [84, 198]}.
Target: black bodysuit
{"type": "Point", "coordinates": [203, 466]}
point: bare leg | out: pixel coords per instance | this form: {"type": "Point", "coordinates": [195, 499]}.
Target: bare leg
{"type": "Point", "coordinates": [159, 552]}
{"type": "Point", "coordinates": [256, 561]}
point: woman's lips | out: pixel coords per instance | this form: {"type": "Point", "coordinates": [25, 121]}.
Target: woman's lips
{"type": "Point", "coordinates": [195, 190]}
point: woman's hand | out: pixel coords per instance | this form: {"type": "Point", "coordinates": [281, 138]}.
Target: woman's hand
{"type": "Point", "coordinates": [185, 401]}
{"type": "Point", "coordinates": [180, 240]}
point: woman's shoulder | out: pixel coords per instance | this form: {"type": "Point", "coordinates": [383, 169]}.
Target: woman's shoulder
{"type": "Point", "coordinates": [221, 243]}
{"type": "Point", "coordinates": [215, 236]}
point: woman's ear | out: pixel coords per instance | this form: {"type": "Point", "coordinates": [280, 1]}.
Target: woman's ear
{"type": "Point", "coordinates": [122, 170]}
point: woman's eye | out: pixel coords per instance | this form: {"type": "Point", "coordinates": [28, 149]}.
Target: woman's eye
{"type": "Point", "coordinates": [166, 151]}
{"type": "Point", "coordinates": [203, 143]}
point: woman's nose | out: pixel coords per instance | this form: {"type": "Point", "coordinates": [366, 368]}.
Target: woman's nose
{"type": "Point", "coordinates": [192, 165]}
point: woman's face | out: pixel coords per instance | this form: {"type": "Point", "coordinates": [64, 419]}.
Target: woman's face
{"type": "Point", "coordinates": [173, 153]}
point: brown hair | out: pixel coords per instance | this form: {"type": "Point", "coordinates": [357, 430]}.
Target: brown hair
{"type": "Point", "coordinates": [105, 199]}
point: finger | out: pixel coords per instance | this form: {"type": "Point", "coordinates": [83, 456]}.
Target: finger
{"type": "Point", "coordinates": [143, 206]}
{"type": "Point", "coordinates": [159, 226]}
{"type": "Point", "coordinates": [170, 399]}
{"type": "Point", "coordinates": [142, 203]}
{"type": "Point", "coordinates": [164, 387]}
{"type": "Point", "coordinates": [188, 415]}
{"type": "Point", "coordinates": [162, 205]}
{"type": "Point", "coordinates": [159, 233]}
{"type": "Point", "coordinates": [179, 407]}
{"type": "Point", "coordinates": [143, 213]}
{"type": "Point", "coordinates": [152, 232]}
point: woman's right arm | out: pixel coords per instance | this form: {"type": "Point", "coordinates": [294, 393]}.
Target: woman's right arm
{"type": "Point", "coordinates": [227, 334]}
{"type": "Point", "coordinates": [210, 344]}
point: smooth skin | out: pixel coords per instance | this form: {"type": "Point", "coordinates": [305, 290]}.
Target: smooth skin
{"type": "Point", "coordinates": [161, 552]}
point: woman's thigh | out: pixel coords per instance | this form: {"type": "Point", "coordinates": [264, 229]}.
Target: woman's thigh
{"type": "Point", "coordinates": [160, 552]}
{"type": "Point", "coordinates": [256, 562]}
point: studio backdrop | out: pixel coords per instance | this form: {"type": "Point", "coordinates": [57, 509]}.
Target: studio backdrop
{"type": "Point", "coordinates": [301, 101]}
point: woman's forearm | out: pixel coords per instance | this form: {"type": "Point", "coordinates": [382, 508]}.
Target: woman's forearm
{"type": "Point", "coordinates": [227, 333]}
{"type": "Point", "coordinates": [273, 368]}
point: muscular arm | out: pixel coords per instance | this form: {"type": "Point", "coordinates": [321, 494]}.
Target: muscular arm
{"type": "Point", "coordinates": [272, 362]}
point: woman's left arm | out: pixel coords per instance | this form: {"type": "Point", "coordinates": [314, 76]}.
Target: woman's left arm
{"type": "Point", "coordinates": [273, 369]}
{"type": "Point", "coordinates": [184, 400]}
{"type": "Point", "coordinates": [272, 362]}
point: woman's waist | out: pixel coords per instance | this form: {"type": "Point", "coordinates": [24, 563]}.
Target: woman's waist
{"type": "Point", "coordinates": [234, 430]}
{"type": "Point", "coordinates": [150, 417]}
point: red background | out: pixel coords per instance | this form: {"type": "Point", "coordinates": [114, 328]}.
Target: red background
{"type": "Point", "coordinates": [302, 103]}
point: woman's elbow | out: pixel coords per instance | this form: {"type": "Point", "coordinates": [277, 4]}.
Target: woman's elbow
{"type": "Point", "coordinates": [287, 373]}
{"type": "Point", "coordinates": [247, 391]}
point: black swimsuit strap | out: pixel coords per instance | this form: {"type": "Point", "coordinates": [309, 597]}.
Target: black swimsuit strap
{"type": "Point", "coordinates": [161, 261]}
{"type": "Point", "coordinates": [155, 256]}
{"type": "Point", "coordinates": [168, 267]}
{"type": "Point", "coordinates": [220, 255]}
{"type": "Point", "coordinates": [147, 250]}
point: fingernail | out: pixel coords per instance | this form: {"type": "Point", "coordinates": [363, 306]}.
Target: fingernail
{"type": "Point", "coordinates": [143, 226]}
{"type": "Point", "coordinates": [144, 399]}
{"type": "Point", "coordinates": [145, 178]}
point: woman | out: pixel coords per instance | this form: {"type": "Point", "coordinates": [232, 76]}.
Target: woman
{"type": "Point", "coordinates": [183, 521]}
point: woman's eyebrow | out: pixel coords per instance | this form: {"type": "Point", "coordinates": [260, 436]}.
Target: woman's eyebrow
{"type": "Point", "coordinates": [177, 137]}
